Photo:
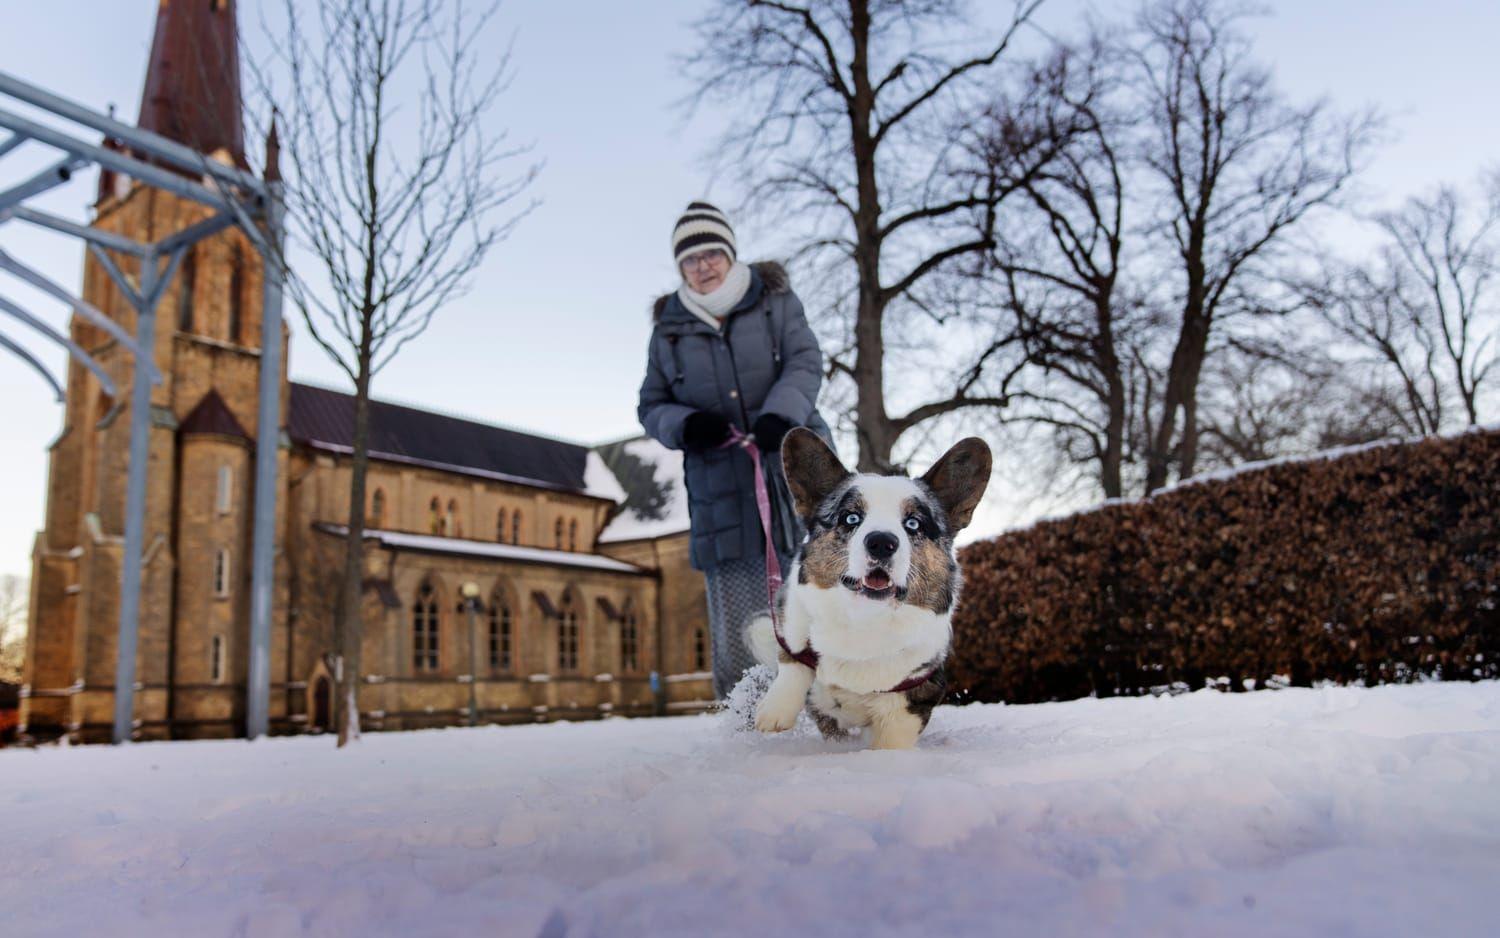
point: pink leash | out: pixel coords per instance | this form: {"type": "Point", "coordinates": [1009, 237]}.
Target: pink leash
{"type": "Point", "coordinates": [737, 437]}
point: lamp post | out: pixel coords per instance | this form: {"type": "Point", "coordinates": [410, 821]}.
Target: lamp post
{"type": "Point", "coordinates": [470, 591]}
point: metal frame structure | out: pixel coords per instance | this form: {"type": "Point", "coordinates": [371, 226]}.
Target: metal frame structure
{"type": "Point", "coordinates": [239, 199]}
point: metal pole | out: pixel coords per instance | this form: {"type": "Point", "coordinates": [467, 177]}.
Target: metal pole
{"type": "Point", "coordinates": [135, 504]}
{"type": "Point", "coordinates": [267, 442]}
{"type": "Point", "coordinates": [75, 350]}
{"type": "Point", "coordinates": [36, 366]}
{"type": "Point", "coordinates": [473, 664]}
{"type": "Point", "coordinates": [85, 152]}
{"type": "Point", "coordinates": [143, 141]}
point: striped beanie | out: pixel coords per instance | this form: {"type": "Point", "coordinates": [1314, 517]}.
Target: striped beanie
{"type": "Point", "coordinates": [702, 227]}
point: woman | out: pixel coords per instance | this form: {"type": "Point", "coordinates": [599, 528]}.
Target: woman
{"type": "Point", "coordinates": [731, 349]}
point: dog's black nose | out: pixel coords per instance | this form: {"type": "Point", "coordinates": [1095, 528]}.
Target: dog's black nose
{"type": "Point", "coordinates": [880, 545]}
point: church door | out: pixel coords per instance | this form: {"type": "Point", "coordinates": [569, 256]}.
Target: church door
{"type": "Point", "coordinates": [322, 720]}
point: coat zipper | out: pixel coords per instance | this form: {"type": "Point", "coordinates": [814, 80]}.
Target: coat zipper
{"type": "Point", "coordinates": [739, 394]}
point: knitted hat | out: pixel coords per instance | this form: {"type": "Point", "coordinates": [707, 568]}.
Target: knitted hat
{"type": "Point", "coordinates": [701, 228]}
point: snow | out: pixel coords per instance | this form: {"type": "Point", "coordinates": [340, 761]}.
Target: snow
{"type": "Point", "coordinates": [1293, 812]}
{"type": "Point", "coordinates": [630, 524]}
{"type": "Point", "coordinates": [599, 482]}
{"type": "Point", "coordinates": [461, 546]}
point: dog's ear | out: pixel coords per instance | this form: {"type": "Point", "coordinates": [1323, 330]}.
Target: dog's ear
{"type": "Point", "coordinates": [959, 480]}
{"type": "Point", "coordinates": [812, 469]}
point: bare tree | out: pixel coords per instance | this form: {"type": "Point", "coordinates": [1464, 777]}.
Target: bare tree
{"type": "Point", "coordinates": [1238, 168]}
{"type": "Point", "coordinates": [13, 604]}
{"type": "Point", "coordinates": [1059, 256]}
{"type": "Point", "coordinates": [398, 188]}
{"type": "Point", "coordinates": [849, 102]}
{"type": "Point", "coordinates": [1438, 268]}
{"type": "Point", "coordinates": [1366, 310]}
{"type": "Point", "coordinates": [1420, 312]}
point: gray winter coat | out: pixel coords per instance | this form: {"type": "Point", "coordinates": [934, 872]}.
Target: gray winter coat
{"type": "Point", "coordinates": [764, 360]}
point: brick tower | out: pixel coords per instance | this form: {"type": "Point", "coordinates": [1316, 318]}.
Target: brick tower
{"type": "Point", "coordinates": [194, 593]}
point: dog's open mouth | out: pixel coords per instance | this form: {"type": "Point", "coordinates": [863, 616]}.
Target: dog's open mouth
{"type": "Point", "coordinates": [876, 584]}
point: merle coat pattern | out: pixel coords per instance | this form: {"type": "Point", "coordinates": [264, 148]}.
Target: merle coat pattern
{"type": "Point", "coordinates": [871, 592]}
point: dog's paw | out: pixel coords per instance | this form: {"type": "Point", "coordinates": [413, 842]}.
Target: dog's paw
{"type": "Point", "coordinates": [772, 717]}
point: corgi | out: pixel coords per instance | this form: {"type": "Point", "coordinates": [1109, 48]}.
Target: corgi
{"type": "Point", "coordinates": [865, 615]}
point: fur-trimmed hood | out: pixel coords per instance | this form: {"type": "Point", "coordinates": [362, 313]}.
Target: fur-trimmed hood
{"type": "Point", "coordinates": [773, 279]}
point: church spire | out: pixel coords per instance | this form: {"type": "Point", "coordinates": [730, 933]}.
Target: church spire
{"type": "Point", "coordinates": [192, 92]}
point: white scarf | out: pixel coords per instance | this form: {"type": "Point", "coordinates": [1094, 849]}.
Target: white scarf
{"type": "Point", "coordinates": [713, 307]}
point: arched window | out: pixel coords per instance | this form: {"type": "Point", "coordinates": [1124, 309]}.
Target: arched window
{"type": "Point", "coordinates": [377, 509]}
{"type": "Point", "coordinates": [424, 630]}
{"type": "Point", "coordinates": [221, 572]}
{"type": "Point", "coordinates": [567, 634]}
{"type": "Point", "coordinates": [435, 516]}
{"type": "Point", "coordinates": [557, 534]}
{"type": "Point", "coordinates": [700, 649]}
{"type": "Point", "coordinates": [515, 527]}
{"type": "Point", "coordinates": [451, 526]}
{"type": "Point", "coordinates": [630, 640]}
{"type": "Point", "coordinates": [500, 527]}
{"type": "Point", "coordinates": [186, 281]}
{"type": "Point", "coordinates": [224, 494]}
{"type": "Point", "coordinates": [573, 534]}
{"type": "Point", "coordinates": [237, 296]}
{"type": "Point", "coordinates": [216, 660]}
{"type": "Point", "coordinates": [500, 634]}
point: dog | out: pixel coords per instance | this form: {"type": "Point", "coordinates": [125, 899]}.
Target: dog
{"type": "Point", "coordinates": [866, 610]}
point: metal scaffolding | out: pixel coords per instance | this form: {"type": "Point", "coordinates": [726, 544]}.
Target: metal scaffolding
{"type": "Point", "coordinates": [239, 199]}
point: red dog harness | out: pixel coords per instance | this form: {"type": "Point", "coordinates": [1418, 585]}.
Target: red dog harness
{"type": "Point", "coordinates": [807, 656]}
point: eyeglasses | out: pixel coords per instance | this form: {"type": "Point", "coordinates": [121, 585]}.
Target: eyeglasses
{"type": "Point", "coordinates": [704, 259]}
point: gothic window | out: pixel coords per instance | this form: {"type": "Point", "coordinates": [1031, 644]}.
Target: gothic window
{"type": "Point", "coordinates": [216, 660]}
{"type": "Point", "coordinates": [224, 495]}
{"type": "Point", "coordinates": [630, 640]}
{"type": "Point", "coordinates": [700, 649]}
{"type": "Point", "coordinates": [557, 534]}
{"type": "Point", "coordinates": [424, 629]}
{"type": "Point", "coordinates": [221, 572]}
{"type": "Point", "coordinates": [515, 527]}
{"type": "Point", "coordinates": [573, 534]}
{"type": "Point", "coordinates": [236, 296]}
{"type": "Point", "coordinates": [567, 635]}
{"type": "Point", "coordinates": [500, 528]}
{"type": "Point", "coordinates": [500, 634]}
{"type": "Point", "coordinates": [451, 526]}
{"type": "Point", "coordinates": [186, 281]}
{"type": "Point", "coordinates": [434, 516]}
{"type": "Point", "coordinates": [377, 509]}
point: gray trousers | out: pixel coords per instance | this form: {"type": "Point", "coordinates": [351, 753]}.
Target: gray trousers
{"type": "Point", "coordinates": [736, 594]}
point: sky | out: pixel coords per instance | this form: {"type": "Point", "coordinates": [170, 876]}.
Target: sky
{"type": "Point", "coordinates": [551, 338]}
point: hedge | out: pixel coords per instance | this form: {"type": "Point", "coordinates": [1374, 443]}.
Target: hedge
{"type": "Point", "coordinates": [1379, 565]}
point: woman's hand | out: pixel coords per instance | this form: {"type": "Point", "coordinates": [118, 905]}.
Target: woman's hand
{"type": "Point", "coordinates": [703, 430]}
{"type": "Point", "coordinates": [769, 430]}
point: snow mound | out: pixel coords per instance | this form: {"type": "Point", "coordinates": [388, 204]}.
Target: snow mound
{"type": "Point", "coordinates": [1294, 812]}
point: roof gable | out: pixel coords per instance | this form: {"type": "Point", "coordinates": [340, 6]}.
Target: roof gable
{"type": "Point", "coordinates": [212, 416]}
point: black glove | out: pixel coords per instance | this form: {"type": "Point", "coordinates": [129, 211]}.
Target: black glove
{"type": "Point", "coordinates": [769, 430]}
{"type": "Point", "coordinates": [704, 429]}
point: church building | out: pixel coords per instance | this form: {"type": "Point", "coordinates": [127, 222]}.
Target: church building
{"type": "Point", "coordinates": [587, 607]}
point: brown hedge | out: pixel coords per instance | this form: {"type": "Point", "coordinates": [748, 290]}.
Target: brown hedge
{"type": "Point", "coordinates": [1381, 565]}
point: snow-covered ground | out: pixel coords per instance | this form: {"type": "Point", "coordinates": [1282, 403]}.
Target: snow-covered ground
{"type": "Point", "coordinates": [1297, 812]}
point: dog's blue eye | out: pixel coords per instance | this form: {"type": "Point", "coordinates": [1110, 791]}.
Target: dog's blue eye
{"type": "Point", "coordinates": [852, 519]}
{"type": "Point", "coordinates": [913, 524]}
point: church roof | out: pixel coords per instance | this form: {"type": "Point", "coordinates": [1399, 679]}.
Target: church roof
{"type": "Point", "coordinates": [461, 547]}
{"type": "Point", "coordinates": [212, 416]}
{"type": "Point", "coordinates": [324, 419]}
{"type": "Point", "coordinates": [192, 91]}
